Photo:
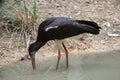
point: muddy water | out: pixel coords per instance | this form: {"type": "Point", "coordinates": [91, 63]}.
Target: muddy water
{"type": "Point", "coordinates": [102, 66]}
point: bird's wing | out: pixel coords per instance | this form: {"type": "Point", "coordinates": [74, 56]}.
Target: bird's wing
{"type": "Point", "coordinates": [47, 22]}
{"type": "Point", "coordinates": [64, 30]}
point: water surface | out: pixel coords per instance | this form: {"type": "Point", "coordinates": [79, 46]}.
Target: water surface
{"type": "Point", "coordinates": [101, 66]}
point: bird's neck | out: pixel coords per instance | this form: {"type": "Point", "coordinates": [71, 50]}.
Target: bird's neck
{"type": "Point", "coordinates": [38, 45]}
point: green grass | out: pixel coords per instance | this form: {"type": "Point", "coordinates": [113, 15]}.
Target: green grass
{"type": "Point", "coordinates": [21, 17]}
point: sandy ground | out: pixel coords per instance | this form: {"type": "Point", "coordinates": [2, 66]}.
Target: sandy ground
{"type": "Point", "coordinates": [94, 58]}
{"type": "Point", "coordinates": [104, 12]}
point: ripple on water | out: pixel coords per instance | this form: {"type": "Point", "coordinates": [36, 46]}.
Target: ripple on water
{"type": "Point", "coordinates": [102, 66]}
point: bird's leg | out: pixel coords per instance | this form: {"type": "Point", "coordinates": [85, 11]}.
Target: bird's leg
{"type": "Point", "coordinates": [59, 56]}
{"type": "Point", "coordinates": [58, 46]}
{"type": "Point", "coordinates": [66, 52]}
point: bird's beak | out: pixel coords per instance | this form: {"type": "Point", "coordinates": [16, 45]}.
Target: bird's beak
{"type": "Point", "coordinates": [33, 63]}
{"type": "Point", "coordinates": [33, 60]}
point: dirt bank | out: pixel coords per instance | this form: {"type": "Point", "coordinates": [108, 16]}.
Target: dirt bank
{"type": "Point", "coordinates": [104, 12]}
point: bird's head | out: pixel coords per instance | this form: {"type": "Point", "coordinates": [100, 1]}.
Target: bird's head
{"type": "Point", "coordinates": [32, 52]}
{"type": "Point", "coordinates": [33, 48]}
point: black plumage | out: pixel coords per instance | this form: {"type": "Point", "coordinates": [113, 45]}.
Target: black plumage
{"type": "Point", "coordinates": [57, 28]}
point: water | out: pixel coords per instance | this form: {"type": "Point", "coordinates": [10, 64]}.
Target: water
{"type": "Point", "coordinates": [102, 66]}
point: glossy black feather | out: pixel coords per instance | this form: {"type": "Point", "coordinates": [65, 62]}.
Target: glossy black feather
{"type": "Point", "coordinates": [60, 28]}
{"type": "Point", "coordinates": [66, 27]}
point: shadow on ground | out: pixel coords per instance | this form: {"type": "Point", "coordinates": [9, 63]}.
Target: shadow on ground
{"type": "Point", "coordinates": [100, 66]}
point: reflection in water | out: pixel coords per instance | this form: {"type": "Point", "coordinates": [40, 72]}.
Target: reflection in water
{"type": "Point", "coordinates": [102, 66]}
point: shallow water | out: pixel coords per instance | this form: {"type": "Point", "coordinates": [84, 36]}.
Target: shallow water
{"type": "Point", "coordinates": [102, 66]}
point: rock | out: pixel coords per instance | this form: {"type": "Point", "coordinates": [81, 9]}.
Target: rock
{"type": "Point", "coordinates": [107, 24]}
{"type": "Point", "coordinates": [114, 34]}
{"type": "Point", "coordinates": [103, 41]}
{"type": "Point", "coordinates": [26, 57]}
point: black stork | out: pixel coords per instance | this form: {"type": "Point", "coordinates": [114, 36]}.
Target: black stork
{"type": "Point", "coordinates": [58, 28]}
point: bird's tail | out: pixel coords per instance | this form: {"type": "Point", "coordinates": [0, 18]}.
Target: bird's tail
{"type": "Point", "coordinates": [89, 26]}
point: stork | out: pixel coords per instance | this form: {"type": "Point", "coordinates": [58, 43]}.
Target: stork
{"type": "Point", "coordinates": [58, 28]}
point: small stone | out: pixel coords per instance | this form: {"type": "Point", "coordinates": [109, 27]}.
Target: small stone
{"type": "Point", "coordinates": [103, 42]}
{"type": "Point", "coordinates": [107, 24]}
{"type": "Point", "coordinates": [22, 59]}
{"type": "Point", "coordinates": [114, 34]}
